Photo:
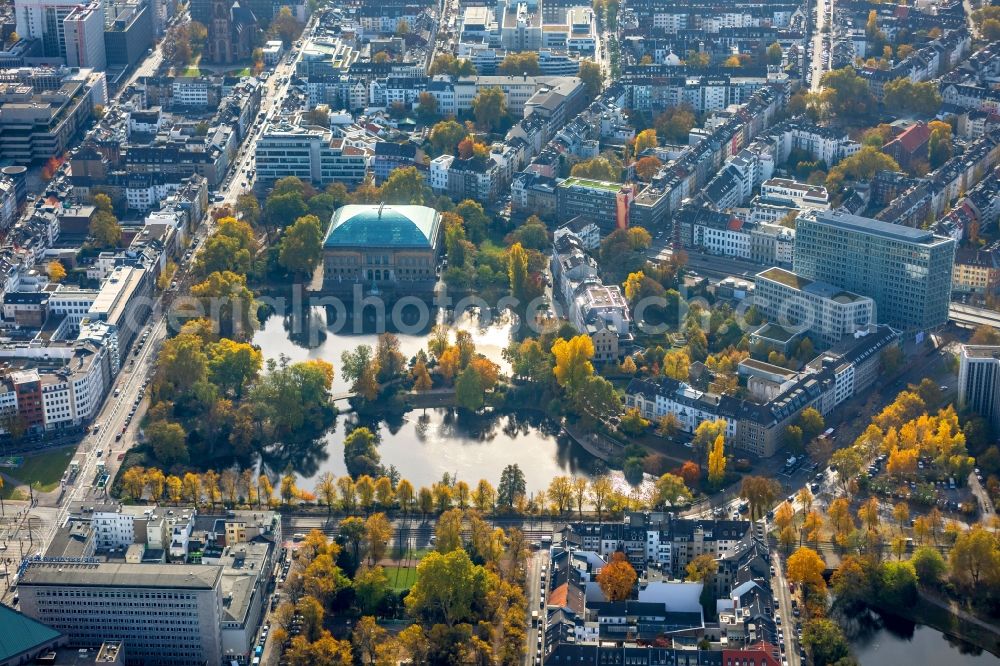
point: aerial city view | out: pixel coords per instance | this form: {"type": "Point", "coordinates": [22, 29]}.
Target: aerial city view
{"type": "Point", "coordinates": [500, 332]}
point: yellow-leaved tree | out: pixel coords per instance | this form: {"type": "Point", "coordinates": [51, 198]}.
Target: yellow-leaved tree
{"type": "Point", "coordinates": [717, 461]}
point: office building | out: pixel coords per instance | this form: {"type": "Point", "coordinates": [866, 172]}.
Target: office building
{"type": "Point", "coordinates": [979, 381]}
{"type": "Point", "coordinates": [906, 271]}
{"type": "Point", "coordinates": [83, 31]}
{"type": "Point", "coordinates": [826, 313]}
{"type": "Point", "coordinates": [312, 154]}
{"type": "Point", "coordinates": [124, 301]}
{"type": "Point", "coordinates": [37, 123]}
{"type": "Point", "coordinates": [43, 20]}
{"type": "Point", "coordinates": [604, 202]}
{"type": "Point", "coordinates": [129, 33]}
{"type": "Point", "coordinates": [163, 614]}
{"type": "Point", "coordinates": [386, 249]}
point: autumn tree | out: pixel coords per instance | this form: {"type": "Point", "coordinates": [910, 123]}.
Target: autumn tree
{"type": "Point", "coordinates": [524, 63]}
{"type": "Point", "coordinates": [717, 461]}
{"type": "Point", "coordinates": [573, 362]}
{"type": "Point", "coordinates": [56, 271]}
{"type": "Point", "coordinates": [446, 135]}
{"type": "Point", "coordinates": [805, 567]}
{"type": "Point", "coordinates": [617, 578]}
{"type": "Point", "coordinates": [645, 140]}
{"type": "Point", "coordinates": [760, 493]}
{"type": "Point", "coordinates": [701, 568]}
{"type": "Point", "coordinates": [647, 167]}
{"type": "Point", "coordinates": [596, 168]}
{"type": "Point", "coordinates": [104, 227]}
{"type": "Point", "coordinates": [489, 107]}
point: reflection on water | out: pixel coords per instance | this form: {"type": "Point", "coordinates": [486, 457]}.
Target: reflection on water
{"type": "Point", "coordinates": [879, 639]}
{"type": "Point", "coordinates": [316, 332]}
{"type": "Point", "coordinates": [424, 445]}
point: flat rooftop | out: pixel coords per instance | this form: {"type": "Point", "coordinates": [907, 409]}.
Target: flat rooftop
{"type": "Point", "coordinates": [982, 351]}
{"type": "Point", "coordinates": [879, 228]}
{"type": "Point", "coordinates": [814, 287]}
{"type": "Point", "coordinates": [587, 182]}
{"type": "Point", "coordinates": [120, 575]}
{"type": "Point", "coordinates": [774, 332]}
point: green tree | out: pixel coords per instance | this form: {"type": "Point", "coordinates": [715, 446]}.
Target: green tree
{"type": "Point", "coordinates": [405, 186]}
{"type": "Point", "coordinates": [489, 107]}
{"type": "Point", "coordinates": [474, 219]}
{"type": "Point", "coordinates": [592, 76]}
{"type": "Point", "coordinates": [302, 246]}
{"type": "Point", "coordinates": [469, 390]}
{"type": "Point", "coordinates": [169, 442]}
{"type": "Point", "coordinates": [929, 565]}
{"type": "Point", "coordinates": [360, 368]}
{"type": "Point", "coordinates": [248, 207]}
{"type": "Point", "coordinates": [447, 589]}
{"type": "Point", "coordinates": [846, 94]}
{"type": "Point", "coordinates": [360, 453]}
{"type": "Point", "coordinates": [281, 210]}
{"type": "Point", "coordinates": [226, 292]}
{"type": "Point", "coordinates": [512, 486]}
{"type": "Point", "coordinates": [517, 272]}
{"type": "Point", "coordinates": [827, 641]}
{"type": "Point", "coordinates": [898, 583]}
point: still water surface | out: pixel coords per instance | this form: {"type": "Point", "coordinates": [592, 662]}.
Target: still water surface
{"type": "Point", "coordinates": [424, 445]}
{"type": "Point", "coordinates": [887, 640]}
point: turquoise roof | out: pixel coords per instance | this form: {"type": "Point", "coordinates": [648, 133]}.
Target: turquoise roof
{"type": "Point", "coordinates": [378, 225]}
{"type": "Point", "coordinates": [21, 633]}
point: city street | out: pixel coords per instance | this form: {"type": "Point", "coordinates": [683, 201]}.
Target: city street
{"type": "Point", "coordinates": [101, 450]}
{"type": "Point", "coordinates": [536, 593]}
{"type": "Point", "coordinates": [819, 38]}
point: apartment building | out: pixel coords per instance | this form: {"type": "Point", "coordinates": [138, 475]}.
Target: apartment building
{"type": "Point", "coordinates": [757, 425]}
{"type": "Point", "coordinates": [979, 381]}
{"type": "Point", "coordinates": [976, 271]}
{"type": "Point", "coordinates": [660, 539]}
{"type": "Point", "coordinates": [824, 312]}
{"type": "Point", "coordinates": [906, 271]}
{"type": "Point", "coordinates": [164, 615]}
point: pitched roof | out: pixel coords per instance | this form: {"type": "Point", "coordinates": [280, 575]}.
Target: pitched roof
{"type": "Point", "coordinates": [21, 633]}
{"type": "Point", "coordinates": [914, 137]}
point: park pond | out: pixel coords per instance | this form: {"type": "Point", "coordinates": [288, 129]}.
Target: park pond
{"type": "Point", "coordinates": [424, 445]}
{"type": "Point", "coordinates": [881, 639]}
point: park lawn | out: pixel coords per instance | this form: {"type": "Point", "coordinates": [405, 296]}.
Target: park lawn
{"type": "Point", "coordinates": [42, 471]}
{"type": "Point", "coordinates": [194, 70]}
{"type": "Point", "coordinates": [401, 578]}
